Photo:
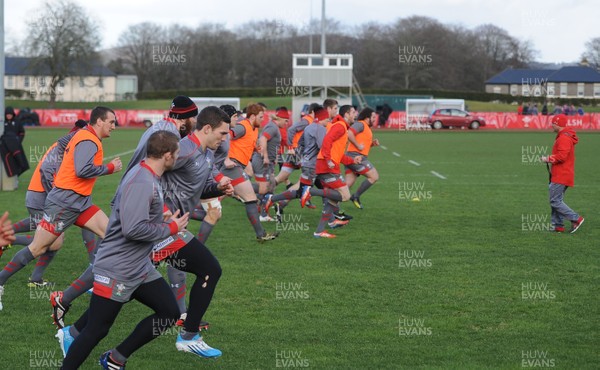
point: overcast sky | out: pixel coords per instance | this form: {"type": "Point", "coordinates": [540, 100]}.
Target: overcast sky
{"type": "Point", "coordinates": [558, 29]}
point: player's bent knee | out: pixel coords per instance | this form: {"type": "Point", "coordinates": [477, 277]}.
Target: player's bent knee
{"type": "Point", "coordinates": [57, 243]}
{"type": "Point", "coordinates": [373, 177]}
{"type": "Point", "coordinates": [345, 196]}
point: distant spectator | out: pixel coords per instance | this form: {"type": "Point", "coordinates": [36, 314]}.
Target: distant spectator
{"type": "Point", "coordinates": [386, 111]}
{"type": "Point", "coordinates": [545, 109]}
{"type": "Point", "coordinates": [525, 110]}
{"type": "Point", "coordinates": [520, 109]}
{"type": "Point", "coordinates": [557, 109]}
{"type": "Point", "coordinates": [27, 117]}
{"type": "Point", "coordinates": [566, 110]}
{"type": "Point", "coordinates": [580, 111]}
{"type": "Point", "coordinates": [12, 125]}
{"type": "Point", "coordinates": [534, 110]}
{"type": "Point", "coordinates": [573, 110]}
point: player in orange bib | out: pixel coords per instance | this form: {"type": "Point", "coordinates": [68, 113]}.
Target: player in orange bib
{"type": "Point", "coordinates": [70, 201]}
{"type": "Point", "coordinates": [329, 159]}
{"type": "Point", "coordinates": [360, 138]}
{"type": "Point", "coordinates": [244, 136]}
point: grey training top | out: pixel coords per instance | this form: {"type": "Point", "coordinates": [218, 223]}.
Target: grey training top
{"type": "Point", "coordinates": [191, 178]}
{"type": "Point", "coordinates": [135, 223]}
{"type": "Point", "coordinates": [140, 150]}
{"type": "Point", "coordinates": [296, 127]}
{"type": "Point", "coordinates": [220, 155]}
{"type": "Point", "coordinates": [273, 135]}
{"type": "Point", "coordinates": [311, 140]}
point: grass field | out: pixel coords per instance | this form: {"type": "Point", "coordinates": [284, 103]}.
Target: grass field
{"type": "Point", "coordinates": [465, 278]}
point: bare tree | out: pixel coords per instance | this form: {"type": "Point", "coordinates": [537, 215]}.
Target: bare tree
{"type": "Point", "coordinates": [592, 52]}
{"type": "Point", "coordinates": [499, 50]}
{"type": "Point", "coordinates": [137, 46]}
{"type": "Point", "coordinates": [62, 40]}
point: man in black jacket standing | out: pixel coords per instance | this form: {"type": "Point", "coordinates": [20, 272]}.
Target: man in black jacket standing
{"type": "Point", "coordinates": [10, 124]}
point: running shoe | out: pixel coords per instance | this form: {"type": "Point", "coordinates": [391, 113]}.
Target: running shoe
{"type": "Point", "coordinates": [266, 218]}
{"type": "Point", "coordinates": [108, 363]}
{"type": "Point", "coordinates": [59, 310]}
{"type": "Point", "coordinates": [356, 202]}
{"type": "Point", "coordinates": [268, 203]}
{"type": "Point", "coordinates": [197, 346]}
{"type": "Point", "coordinates": [65, 339]}
{"type": "Point", "coordinates": [337, 223]}
{"type": "Point", "coordinates": [305, 196]}
{"type": "Point", "coordinates": [342, 216]}
{"type": "Point", "coordinates": [324, 234]}
{"type": "Point", "coordinates": [268, 236]}
{"type": "Point", "coordinates": [37, 283]}
{"type": "Point", "coordinates": [181, 322]}
{"type": "Point", "coordinates": [575, 225]}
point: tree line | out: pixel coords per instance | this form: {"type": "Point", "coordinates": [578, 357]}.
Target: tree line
{"type": "Point", "coordinates": [416, 52]}
{"type": "Point", "coordinates": [412, 53]}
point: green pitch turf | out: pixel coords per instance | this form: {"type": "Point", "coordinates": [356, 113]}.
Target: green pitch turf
{"type": "Point", "coordinates": [465, 277]}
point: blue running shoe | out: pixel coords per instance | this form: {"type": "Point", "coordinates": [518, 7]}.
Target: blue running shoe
{"type": "Point", "coordinates": [197, 346]}
{"type": "Point", "coordinates": [64, 339]}
{"type": "Point", "coordinates": [108, 363]}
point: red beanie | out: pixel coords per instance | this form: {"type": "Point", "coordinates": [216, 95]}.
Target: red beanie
{"type": "Point", "coordinates": [321, 114]}
{"type": "Point", "coordinates": [283, 113]}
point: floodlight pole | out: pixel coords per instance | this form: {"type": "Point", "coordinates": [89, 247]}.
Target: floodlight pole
{"type": "Point", "coordinates": [310, 36]}
{"type": "Point", "coordinates": [2, 174]}
{"type": "Point", "coordinates": [324, 91]}
{"type": "Point", "coordinates": [323, 30]}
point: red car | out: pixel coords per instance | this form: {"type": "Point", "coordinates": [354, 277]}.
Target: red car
{"type": "Point", "coordinates": [450, 117]}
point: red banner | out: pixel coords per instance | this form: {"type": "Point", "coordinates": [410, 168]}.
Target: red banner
{"type": "Point", "coordinates": [396, 121]}
{"type": "Point", "coordinates": [510, 121]}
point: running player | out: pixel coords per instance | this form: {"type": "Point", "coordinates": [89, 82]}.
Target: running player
{"type": "Point", "coordinates": [180, 120]}
{"type": "Point", "coordinates": [189, 180]}
{"type": "Point", "coordinates": [122, 268]}
{"type": "Point", "coordinates": [244, 136]}
{"type": "Point", "coordinates": [40, 184]}
{"type": "Point", "coordinates": [263, 161]}
{"type": "Point", "coordinates": [292, 159]}
{"type": "Point", "coordinates": [310, 141]}
{"type": "Point", "coordinates": [361, 140]}
{"type": "Point", "coordinates": [70, 201]}
{"type": "Point", "coordinates": [328, 171]}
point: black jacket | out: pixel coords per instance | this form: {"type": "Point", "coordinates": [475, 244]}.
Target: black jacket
{"type": "Point", "coordinates": [16, 127]}
{"type": "Point", "coordinates": [13, 156]}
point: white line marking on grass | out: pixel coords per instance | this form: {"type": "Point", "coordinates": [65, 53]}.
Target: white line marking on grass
{"type": "Point", "coordinates": [119, 154]}
{"type": "Point", "coordinates": [413, 162]}
{"type": "Point", "coordinates": [383, 147]}
{"type": "Point", "coordinates": [438, 175]}
{"type": "Point", "coordinates": [396, 154]}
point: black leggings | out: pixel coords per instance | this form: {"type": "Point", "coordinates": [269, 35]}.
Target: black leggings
{"type": "Point", "coordinates": [195, 258]}
{"type": "Point", "coordinates": [102, 314]}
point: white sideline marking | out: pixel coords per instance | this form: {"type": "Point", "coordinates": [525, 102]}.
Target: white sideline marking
{"type": "Point", "coordinates": [413, 162]}
{"type": "Point", "coordinates": [383, 147]}
{"type": "Point", "coordinates": [119, 154]}
{"type": "Point", "coordinates": [396, 154]}
{"type": "Point", "coordinates": [438, 175]}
